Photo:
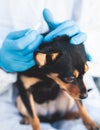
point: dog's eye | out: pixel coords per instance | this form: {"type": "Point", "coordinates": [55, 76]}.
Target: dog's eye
{"type": "Point", "coordinates": [69, 79]}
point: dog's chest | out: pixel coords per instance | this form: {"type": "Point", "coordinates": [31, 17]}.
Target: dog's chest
{"type": "Point", "coordinates": [42, 92]}
{"type": "Point", "coordinates": [61, 104]}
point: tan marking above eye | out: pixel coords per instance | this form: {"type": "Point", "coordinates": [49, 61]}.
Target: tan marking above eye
{"type": "Point", "coordinates": [76, 73]}
{"type": "Point", "coordinates": [86, 68]}
{"type": "Point", "coordinates": [54, 55]}
{"type": "Point", "coordinates": [40, 59]}
{"type": "Point", "coordinates": [28, 81]}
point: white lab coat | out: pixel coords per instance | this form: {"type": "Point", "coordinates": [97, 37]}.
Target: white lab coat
{"type": "Point", "coordinates": [22, 14]}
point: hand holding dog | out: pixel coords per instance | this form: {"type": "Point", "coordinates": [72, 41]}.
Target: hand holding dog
{"type": "Point", "coordinates": [69, 28]}
{"type": "Point", "coordinates": [16, 53]}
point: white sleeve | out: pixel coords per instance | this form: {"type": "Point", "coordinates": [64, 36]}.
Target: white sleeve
{"type": "Point", "coordinates": [6, 79]}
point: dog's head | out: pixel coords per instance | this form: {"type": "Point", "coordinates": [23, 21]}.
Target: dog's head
{"type": "Point", "coordinates": [65, 64]}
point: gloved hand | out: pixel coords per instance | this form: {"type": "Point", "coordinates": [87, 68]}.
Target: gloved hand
{"type": "Point", "coordinates": [16, 53]}
{"type": "Point", "coordinates": [69, 28]}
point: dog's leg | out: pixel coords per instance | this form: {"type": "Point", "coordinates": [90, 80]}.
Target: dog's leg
{"type": "Point", "coordinates": [71, 115]}
{"type": "Point", "coordinates": [27, 117]}
{"type": "Point", "coordinates": [90, 125]}
{"type": "Point", "coordinates": [34, 121]}
{"type": "Point", "coordinates": [24, 120]}
{"type": "Point", "coordinates": [28, 101]}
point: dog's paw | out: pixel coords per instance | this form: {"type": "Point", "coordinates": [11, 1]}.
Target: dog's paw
{"type": "Point", "coordinates": [72, 115]}
{"type": "Point", "coordinates": [92, 126]}
{"type": "Point", "coordinates": [24, 121]}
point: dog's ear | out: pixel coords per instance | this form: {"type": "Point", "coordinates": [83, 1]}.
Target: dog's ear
{"type": "Point", "coordinates": [42, 58]}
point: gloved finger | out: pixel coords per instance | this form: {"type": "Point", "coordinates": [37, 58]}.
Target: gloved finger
{"type": "Point", "coordinates": [48, 16]}
{"type": "Point", "coordinates": [69, 31]}
{"type": "Point", "coordinates": [49, 19]}
{"type": "Point", "coordinates": [89, 57]}
{"type": "Point", "coordinates": [18, 34]}
{"type": "Point", "coordinates": [33, 45]}
{"type": "Point", "coordinates": [66, 24]}
{"type": "Point", "coordinates": [23, 58]}
{"type": "Point", "coordinates": [26, 65]}
{"type": "Point", "coordinates": [23, 42]}
{"type": "Point", "coordinates": [20, 66]}
{"type": "Point", "coordinates": [79, 38]}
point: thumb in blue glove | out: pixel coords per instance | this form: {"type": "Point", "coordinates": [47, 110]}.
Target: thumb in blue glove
{"type": "Point", "coordinates": [16, 53]}
{"type": "Point", "coordinates": [69, 28]}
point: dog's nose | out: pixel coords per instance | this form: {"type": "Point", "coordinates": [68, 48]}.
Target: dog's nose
{"type": "Point", "coordinates": [84, 95]}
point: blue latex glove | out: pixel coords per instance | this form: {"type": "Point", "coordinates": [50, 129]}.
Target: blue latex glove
{"type": "Point", "coordinates": [16, 53]}
{"type": "Point", "coordinates": [69, 28]}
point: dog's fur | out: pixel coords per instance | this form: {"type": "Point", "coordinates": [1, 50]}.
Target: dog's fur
{"type": "Point", "coordinates": [50, 89]}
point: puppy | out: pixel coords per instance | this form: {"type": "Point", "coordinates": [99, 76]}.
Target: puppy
{"type": "Point", "coordinates": [48, 91]}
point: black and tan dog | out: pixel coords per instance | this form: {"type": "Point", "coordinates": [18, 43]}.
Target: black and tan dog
{"type": "Point", "coordinates": [49, 90]}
